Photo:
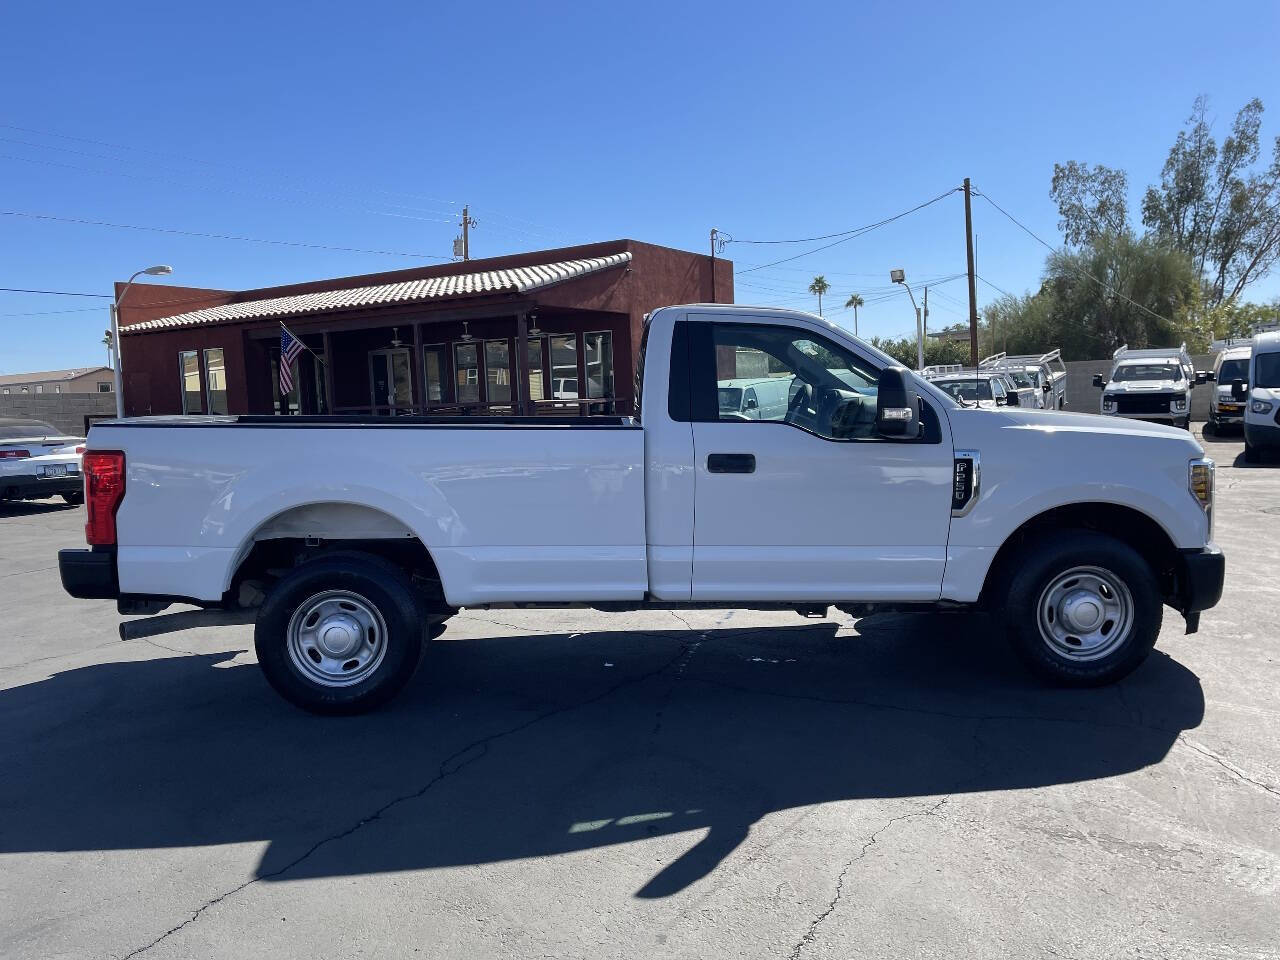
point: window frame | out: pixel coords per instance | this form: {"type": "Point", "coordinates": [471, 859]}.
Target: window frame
{"type": "Point", "coordinates": [704, 406]}
{"type": "Point", "coordinates": [208, 387]}
{"type": "Point", "coordinates": [182, 382]}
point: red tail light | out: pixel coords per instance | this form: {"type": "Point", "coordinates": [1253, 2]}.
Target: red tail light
{"type": "Point", "coordinates": [80, 449]}
{"type": "Point", "coordinates": [103, 491]}
{"type": "Point", "coordinates": [14, 454]}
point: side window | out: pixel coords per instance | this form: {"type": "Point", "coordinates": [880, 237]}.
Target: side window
{"type": "Point", "coordinates": [785, 375]}
{"type": "Point", "coordinates": [997, 388]}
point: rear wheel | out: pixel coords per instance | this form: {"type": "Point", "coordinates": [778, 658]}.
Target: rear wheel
{"type": "Point", "coordinates": [340, 635]}
{"type": "Point", "coordinates": [73, 499]}
{"type": "Point", "coordinates": [1085, 613]}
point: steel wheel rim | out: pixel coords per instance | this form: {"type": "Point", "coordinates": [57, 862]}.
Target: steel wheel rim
{"type": "Point", "coordinates": [1085, 613]}
{"type": "Point", "coordinates": [336, 638]}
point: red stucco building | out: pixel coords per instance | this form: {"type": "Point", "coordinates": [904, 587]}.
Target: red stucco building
{"type": "Point", "coordinates": [547, 331]}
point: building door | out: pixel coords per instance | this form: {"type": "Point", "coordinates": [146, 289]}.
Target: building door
{"type": "Point", "coordinates": [390, 384]}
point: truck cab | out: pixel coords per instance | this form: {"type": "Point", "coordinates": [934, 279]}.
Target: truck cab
{"type": "Point", "coordinates": [1150, 384]}
{"type": "Point", "coordinates": [1229, 366]}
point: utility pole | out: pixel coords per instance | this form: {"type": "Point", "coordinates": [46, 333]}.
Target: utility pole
{"type": "Point", "coordinates": [973, 291]}
{"type": "Point", "coordinates": [462, 245]}
{"type": "Point", "coordinates": [714, 233]}
{"type": "Point", "coordinates": [925, 325]}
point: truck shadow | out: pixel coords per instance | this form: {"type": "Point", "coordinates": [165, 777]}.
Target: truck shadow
{"type": "Point", "coordinates": [527, 746]}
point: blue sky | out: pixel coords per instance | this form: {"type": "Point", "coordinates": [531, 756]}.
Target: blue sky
{"type": "Point", "coordinates": [369, 126]}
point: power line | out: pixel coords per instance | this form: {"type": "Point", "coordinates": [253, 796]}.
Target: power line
{"type": "Point", "coordinates": [46, 313]}
{"type": "Point", "coordinates": [1109, 289]}
{"type": "Point", "coordinates": [851, 234]}
{"type": "Point", "coordinates": [53, 293]}
{"type": "Point", "coordinates": [219, 236]}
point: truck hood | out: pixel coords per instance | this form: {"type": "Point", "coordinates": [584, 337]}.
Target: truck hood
{"type": "Point", "coordinates": [1059, 421]}
{"type": "Point", "coordinates": [1146, 386]}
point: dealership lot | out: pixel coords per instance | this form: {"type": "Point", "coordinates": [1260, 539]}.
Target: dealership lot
{"type": "Point", "coordinates": [708, 784]}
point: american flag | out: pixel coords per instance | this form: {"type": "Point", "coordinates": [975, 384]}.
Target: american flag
{"type": "Point", "coordinates": [290, 347]}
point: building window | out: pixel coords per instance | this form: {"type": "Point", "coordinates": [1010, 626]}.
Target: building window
{"type": "Point", "coordinates": [189, 374]}
{"type": "Point", "coordinates": [466, 365]}
{"type": "Point", "coordinates": [599, 364]}
{"type": "Point", "coordinates": [435, 367]}
{"type": "Point", "coordinates": [104, 387]}
{"type": "Point", "coordinates": [537, 387]}
{"type": "Point", "coordinates": [215, 378]}
{"type": "Point", "coordinates": [564, 367]}
{"type": "Point", "coordinates": [497, 365]}
{"type": "Point", "coordinates": [6, 389]}
{"type": "Point", "coordinates": [57, 388]}
{"type": "Point", "coordinates": [39, 388]}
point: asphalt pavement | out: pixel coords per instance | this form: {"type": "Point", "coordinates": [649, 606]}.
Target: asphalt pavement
{"type": "Point", "coordinates": [706, 784]}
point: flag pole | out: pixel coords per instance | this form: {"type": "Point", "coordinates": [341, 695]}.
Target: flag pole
{"type": "Point", "coordinates": [303, 342]}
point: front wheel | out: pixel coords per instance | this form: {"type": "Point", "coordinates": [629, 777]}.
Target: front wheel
{"type": "Point", "coordinates": [340, 635]}
{"type": "Point", "coordinates": [1251, 453]}
{"type": "Point", "coordinates": [1085, 611]}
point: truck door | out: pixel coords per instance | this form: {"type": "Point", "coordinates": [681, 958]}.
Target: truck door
{"type": "Point", "coordinates": [808, 502]}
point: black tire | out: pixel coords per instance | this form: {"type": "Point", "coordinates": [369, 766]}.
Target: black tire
{"type": "Point", "coordinates": [374, 582]}
{"type": "Point", "coordinates": [73, 499]}
{"type": "Point", "coordinates": [1251, 453]}
{"type": "Point", "coordinates": [1040, 565]}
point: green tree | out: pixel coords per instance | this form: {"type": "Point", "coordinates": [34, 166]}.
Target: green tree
{"type": "Point", "coordinates": [1090, 202]}
{"type": "Point", "coordinates": [1209, 205]}
{"type": "Point", "coordinates": [1116, 289]}
{"type": "Point", "coordinates": [819, 286]}
{"type": "Point", "coordinates": [855, 301]}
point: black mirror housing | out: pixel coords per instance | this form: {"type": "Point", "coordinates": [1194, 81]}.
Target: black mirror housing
{"type": "Point", "coordinates": [897, 404]}
{"type": "Point", "coordinates": [1239, 390]}
{"type": "Point", "coordinates": [1098, 381]}
{"type": "Point", "coordinates": [1205, 376]}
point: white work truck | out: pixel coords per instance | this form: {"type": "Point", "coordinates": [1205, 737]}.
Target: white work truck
{"type": "Point", "coordinates": [1149, 384]}
{"type": "Point", "coordinates": [349, 541]}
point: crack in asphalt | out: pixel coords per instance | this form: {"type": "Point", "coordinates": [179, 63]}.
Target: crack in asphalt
{"type": "Point", "coordinates": [1227, 765]}
{"type": "Point", "coordinates": [811, 934]}
{"type": "Point", "coordinates": [456, 762]}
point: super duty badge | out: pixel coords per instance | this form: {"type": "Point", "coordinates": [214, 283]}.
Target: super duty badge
{"type": "Point", "coordinates": [966, 477]}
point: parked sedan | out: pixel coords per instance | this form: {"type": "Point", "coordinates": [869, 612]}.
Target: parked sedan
{"type": "Point", "coordinates": [38, 461]}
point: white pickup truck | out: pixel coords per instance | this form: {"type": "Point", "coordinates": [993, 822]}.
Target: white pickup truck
{"type": "Point", "coordinates": [350, 541]}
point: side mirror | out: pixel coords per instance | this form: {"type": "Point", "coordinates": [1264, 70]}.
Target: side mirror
{"type": "Point", "coordinates": [1011, 399]}
{"type": "Point", "coordinates": [1239, 390]}
{"type": "Point", "coordinates": [1046, 388]}
{"type": "Point", "coordinates": [1205, 376]}
{"type": "Point", "coordinates": [896, 404]}
{"type": "Point", "coordinates": [751, 403]}
{"type": "Point", "coordinates": [1098, 381]}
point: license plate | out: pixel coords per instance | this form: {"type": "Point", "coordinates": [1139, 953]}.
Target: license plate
{"type": "Point", "coordinates": [59, 470]}
{"type": "Point", "coordinates": [1230, 407]}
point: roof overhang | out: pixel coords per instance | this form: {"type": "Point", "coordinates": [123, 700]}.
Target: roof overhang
{"type": "Point", "coordinates": [462, 286]}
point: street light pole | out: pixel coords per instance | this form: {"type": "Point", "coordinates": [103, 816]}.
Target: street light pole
{"type": "Point", "coordinates": [159, 270]}
{"type": "Point", "coordinates": [899, 276]}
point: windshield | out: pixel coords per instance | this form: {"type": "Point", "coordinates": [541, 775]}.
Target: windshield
{"type": "Point", "coordinates": [1233, 370]}
{"type": "Point", "coordinates": [1020, 378]}
{"type": "Point", "coordinates": [1267, 370]}
{"type": "Point", "coordinates": [730, 399]}
{"type": "Point", "coordinates": [967, 390]}
{"type": "Point", "coordinates": [27, 429]}
{"type": "Point", "coordinates": [1131, 372]}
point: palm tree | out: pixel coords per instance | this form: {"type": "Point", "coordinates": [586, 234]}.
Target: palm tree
{"type": "Point", "coordinates": [855, 301]}
{"type": "Point", "coordinates": [819, 286]}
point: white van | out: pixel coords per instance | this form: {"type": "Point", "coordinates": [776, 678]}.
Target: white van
{"type": "Point", "coordinates": [756, 398]}
{"type": "Point", "coordinates": [1262, 398]}
{"type": "Point", "coordinates": [1231, 364]}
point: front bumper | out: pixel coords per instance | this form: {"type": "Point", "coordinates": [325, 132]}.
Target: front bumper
{"type": "Point", "coordinates": [1261, 434]}
{"type": "Point", "coordinates": [1228, 413]}
{"type": "Point", "coordinates": [32, 487]}
{"type": "Point", "coordinates": [89, 574]}
{"type": "Point", "coordinates": [1200, 576]}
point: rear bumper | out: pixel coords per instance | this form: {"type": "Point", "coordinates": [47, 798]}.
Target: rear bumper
{"type": "Point", "coordinates": [89, 574]}
{"type": "Point", "coordinates": [1200, 578]}
{"type": "Point", "coordinates": [30, 487]}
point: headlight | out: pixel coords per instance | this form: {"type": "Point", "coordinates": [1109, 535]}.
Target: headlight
{"type": "Point", "coordinates": [1179, 403]}
{"type": "Point", "coordinates": [1200, 481]}
{"type": "Point", "coordinates": [1108, 404]}
{"type": "Point", "coordinates": [1260, 406]}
